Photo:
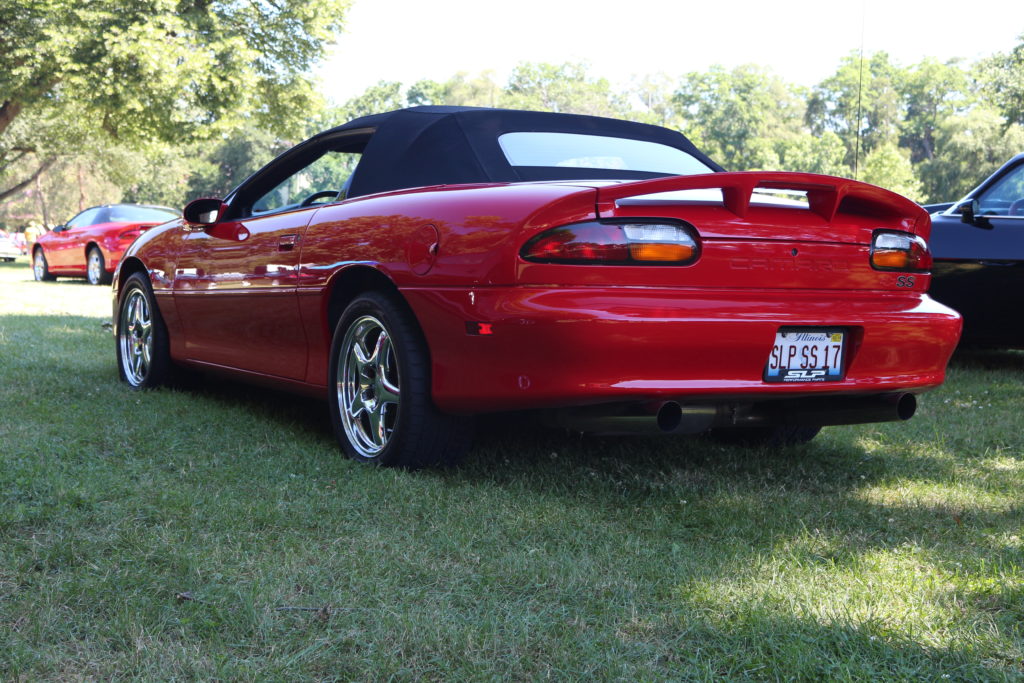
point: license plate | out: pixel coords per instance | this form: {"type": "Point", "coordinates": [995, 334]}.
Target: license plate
{"type": "Point", "coordinates": [806, 354]}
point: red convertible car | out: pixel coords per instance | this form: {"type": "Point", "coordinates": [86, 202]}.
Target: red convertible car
{"type": "Point", "coordinates": [422, 266]}
{"type": "Point", "coordinates": [90, 245]}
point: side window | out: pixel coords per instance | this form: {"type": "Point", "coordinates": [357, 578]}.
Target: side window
{"type": "Point", "coordinates": [1006, 197]}
{"type": "Point", "coordinates": [319, 182]}
{"type": "Point", "coordinates": [87, 217]}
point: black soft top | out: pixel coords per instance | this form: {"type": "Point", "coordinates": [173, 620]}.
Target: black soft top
{"type": "Point", "coordinates": [438, 145]}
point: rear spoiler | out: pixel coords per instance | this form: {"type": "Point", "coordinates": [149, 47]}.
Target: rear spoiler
{"type": "Point", "coordinates": [827, 196]}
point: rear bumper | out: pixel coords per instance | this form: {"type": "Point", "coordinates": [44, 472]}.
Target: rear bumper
{"type": "Point", "coordinates": [563, 347]}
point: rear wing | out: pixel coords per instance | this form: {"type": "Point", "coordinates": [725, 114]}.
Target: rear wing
{"type": "Point", "coordinates": [827, 196]}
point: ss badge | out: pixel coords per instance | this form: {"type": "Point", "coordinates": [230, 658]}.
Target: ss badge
{"type": "Point", "coordinates": [905, 281]}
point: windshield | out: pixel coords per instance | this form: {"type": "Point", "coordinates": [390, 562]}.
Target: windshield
{"type": "Point", "coordinates": [572, 150]}
{"type": "Point", "coordinates": [140, 214]}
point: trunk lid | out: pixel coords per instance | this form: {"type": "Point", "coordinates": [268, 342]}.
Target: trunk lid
{"type": "Point", "coordinates": [764, 230]}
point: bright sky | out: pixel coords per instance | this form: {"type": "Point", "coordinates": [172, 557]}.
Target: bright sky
{"type": "Point", "coordinates": [800, 40]}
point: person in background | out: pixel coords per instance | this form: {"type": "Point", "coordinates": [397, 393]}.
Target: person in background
{"type": "Point", "coordinates": [32, 233]}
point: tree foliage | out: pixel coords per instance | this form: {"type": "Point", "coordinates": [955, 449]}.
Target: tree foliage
{"type": "Point", "coordinates": [1003, 75]}
{"type": "Point", "coordinates": [932, 93]}
{"type": "Point", "coordinates": [738, 116]}
{"type": "Point", "coordinates": [138, 71]}
{"type": "Point", "coordinates": [160, 101]}
{"type": "Point", "coordinates": [860, 103]}
{"type": "Point", "coordinates": [889, 166]}
{"type": "Point", "coordinates": [969, 148]}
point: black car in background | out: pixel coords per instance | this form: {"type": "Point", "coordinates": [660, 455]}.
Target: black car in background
{"type": "Point", "coordinates": [978, 246]}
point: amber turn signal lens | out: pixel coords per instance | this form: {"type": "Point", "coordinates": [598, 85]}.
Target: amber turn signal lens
{"type": "Point", "coordinates": [652, 251]}
{"type": "Point", "coordinates": [890, 259]}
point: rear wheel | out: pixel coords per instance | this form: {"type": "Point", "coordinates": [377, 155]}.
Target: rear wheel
{"type": "Point", "coordinates": [143, 349]}
{"type": "Point", "coordinates": [381, 408]}
{"type": "Point", "coordinates": [766, 437]}
{"type": "Point", "coordinates": [95, 268]}
{"type": "Point", "coordinates": [40, 269]}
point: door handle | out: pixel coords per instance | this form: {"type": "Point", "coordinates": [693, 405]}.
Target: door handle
{"type": "Point", "coordinates": [287, 242]}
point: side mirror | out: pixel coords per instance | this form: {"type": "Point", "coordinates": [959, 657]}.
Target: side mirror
{"type": "Point", "coordinates": [205, 211]}
{"type": "Point", "coordinates": [970, 213]}
{"type": "Point", "coordinates": [60, 228]}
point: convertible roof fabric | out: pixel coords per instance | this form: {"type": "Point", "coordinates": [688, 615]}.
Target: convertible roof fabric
{"type": "Point", "coordinates": [436, 145]}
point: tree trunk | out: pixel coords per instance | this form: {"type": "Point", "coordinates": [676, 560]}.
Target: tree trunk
{"type": "Point", "coordinates": [15, 189]}
{"type": "Point", "coordinates": [81, 189]}
{"type": "Point", "coordinates": [9, 111]}
{"type": "Point", "coordinates": [42, 203]}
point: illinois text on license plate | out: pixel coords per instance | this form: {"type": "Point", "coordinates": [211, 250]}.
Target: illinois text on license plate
{"type": "Point", "coordinates": [806, 354]}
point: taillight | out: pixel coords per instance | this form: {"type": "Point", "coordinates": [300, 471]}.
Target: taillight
{"type": "Point", "coordinates": [892, 250]}
{"type": "Point", "coordinates": [615, 243]}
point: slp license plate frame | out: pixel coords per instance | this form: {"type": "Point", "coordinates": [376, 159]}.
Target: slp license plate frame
{"type": "Point", "coordinates": [822, 340]}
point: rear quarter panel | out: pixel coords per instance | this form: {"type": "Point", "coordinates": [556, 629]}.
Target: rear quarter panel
{"type": "Point", "coordinates": [437, 237]}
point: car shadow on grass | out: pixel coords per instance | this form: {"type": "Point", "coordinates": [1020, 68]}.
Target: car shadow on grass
{"type": "Point", "coordinates": [860, 499]}
{"type": "Point", "coordinates": [672, 524]}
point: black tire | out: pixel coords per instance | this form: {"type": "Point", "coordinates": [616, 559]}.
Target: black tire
{"type": "Point", "coordinates": [143, 348]}
{"type": "Point", "coordinates": [372, 421]}
{"type": "Point", "coordinates": [765, 437]}
{"type": "Point", "coordinates": [40, 268]}
{"type": "Point", "coordinates": [96, 267]}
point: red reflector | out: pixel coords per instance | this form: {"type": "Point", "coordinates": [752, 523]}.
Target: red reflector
{"type": "Point", "coordinates": [476, 328]}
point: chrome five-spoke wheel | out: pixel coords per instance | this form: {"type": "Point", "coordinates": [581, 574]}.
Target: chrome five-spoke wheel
{"type": "Point", "coordinates": [40, 270]}
{"type": "Point", "coordinates": [94, 269]}
{"type": "Point", "coordinates": [382, 411]}
{"type": "Point", "coordinates": [368, 386]}
{"type": "Point", "coordinates": [135, 337]}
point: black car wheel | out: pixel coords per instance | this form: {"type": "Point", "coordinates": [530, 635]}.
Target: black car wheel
{"type": "Point", "coordinates": [40, 269]}
{"type": "Point", "coordinates": [143, 349]}
{"type": "Point", "coordinates": [95, 268]}
{"type": "Point", "coordinates": [381, 408]}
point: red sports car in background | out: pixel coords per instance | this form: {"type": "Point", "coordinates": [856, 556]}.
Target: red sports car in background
{"type": "Point", "coordinates": [90, 245]}
{"type": "Point", "coordinates": [425, 265]}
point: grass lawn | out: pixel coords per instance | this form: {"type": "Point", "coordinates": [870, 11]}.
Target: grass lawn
{"type": "Point", "coordinates": [219, 534]}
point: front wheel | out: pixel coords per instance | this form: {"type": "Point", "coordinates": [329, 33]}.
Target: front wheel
{"type": "Point", "coordinates": [95, 268]}
{"type": "Point", "coordinates": [381, 408]}
{"type": "Point", "coordinates": [143, 349]}
{"type": "Point", "coordinates": [40, 269]}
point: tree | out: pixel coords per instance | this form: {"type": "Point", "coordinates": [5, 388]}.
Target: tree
{"type": "Point", "coordinates": [565, 88]}
{"type": "Point", "coordinates": [889, 166]}
{"type": "Point", "coordinates": [462, 89]}
{"type": "Point", "coordinates": [141, 70]}
{"type": "Point", "coordinates": [932, 92]}
{"type": "Point", "coordinates": [231, 161]}
{"type": "Point", "coordinates": [382, 97]}
{"type": "Point", "coordinates": [738, 116]}
{"type": "Point", "coordinates": [808, 153]}
{"type": "Point", "coordinates": [968, 149]}
{"type": "Point", "coordinates": [860, 103]}
{"type": "Point", "coordinates": [656, 97]}
{"type": "Point", "coordinates": [1002, 76]}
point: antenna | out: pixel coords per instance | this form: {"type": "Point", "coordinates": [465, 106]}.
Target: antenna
{"type": "Point", "coordinates": [860, 91]}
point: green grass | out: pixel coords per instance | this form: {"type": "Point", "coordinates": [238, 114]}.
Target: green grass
{"type": "Point", "coordinates": [176, 535]}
